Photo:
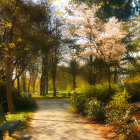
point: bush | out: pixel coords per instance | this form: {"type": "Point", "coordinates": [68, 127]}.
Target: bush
{"type": "Point", "coordinates": [24, 103]}
{"type": "Point", "coordinates": [95, 110]}
{"type": "Point", "coordinates": [120, 115]}
{"type": "Point", "coordinates": [20, 102]}
{"type": "Point", "coordinates": [104, 95]}
{"type": "Point", "coordinates": [2, 91]}
{"type": "Point", "coordinates": [99, 92]}
{"type": "Point", "coordinates": [78, 102]}
{"type": "Point", "coordinates": [133, 87]}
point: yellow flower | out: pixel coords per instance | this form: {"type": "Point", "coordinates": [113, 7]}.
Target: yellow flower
{"type": "Point", "coordinates": [11, 45]}
{"type": "Point", "coordinates": [19, 39]}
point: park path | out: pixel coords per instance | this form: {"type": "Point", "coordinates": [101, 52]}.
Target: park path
{"type": "Point", "coordinates": [54, 121]}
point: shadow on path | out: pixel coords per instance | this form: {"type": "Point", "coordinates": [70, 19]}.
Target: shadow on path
{"type": "Point", "coordinates": [53, 121]}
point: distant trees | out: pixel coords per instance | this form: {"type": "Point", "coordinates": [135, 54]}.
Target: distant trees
{"type": "Point", "coordinates": [73, 69]}
{"type": "Point", "coordinates": [33, 70]}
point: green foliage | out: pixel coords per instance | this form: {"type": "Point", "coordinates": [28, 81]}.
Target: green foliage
{"type": "Point", "coordinates": [132, 85]}
{"type": "Point", "coordinates": [23, 116]}
{"type": "Point", "coordinates": [99, 92]}
{"type": "Point", "coordinates": [78, 102]}
{"type": "Point", "coordinates": [20, 102]}
{"type": "Point", "coordinates": [88, 100]}
{"type": "Point", "coordinates": [95, 110]}
{"type": "Point", "coordinates": [2, 91]}
{"type": "Point", "coordinates": [118, 112]}
{"type": "Point", "coordinates": [122, 9]}
{"type": "Point", "coordinates": [120, 115]}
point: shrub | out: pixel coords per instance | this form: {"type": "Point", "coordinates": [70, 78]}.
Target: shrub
{"type": "Point", "coordinates": [2, 91]}
{"type": "Point", "coordinates": [24, 103]}
{"type": "Point", "coordinates": [95, 110]}
{"type": "Point", "coordinates": [78, 102]}
{"type": "Point", "coordinates": [120, 115]}
{"type": "Point", "coordinates": [104, 95]}
{"type": "Point", "coordinates": [99, 92]}
{"type": "Point", "coordinates": [20, 102]}
{"type": "Point", "coordinates": [133, 87]}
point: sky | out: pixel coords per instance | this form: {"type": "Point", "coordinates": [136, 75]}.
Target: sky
{"type": "Point", "coordinates": [59, 4]}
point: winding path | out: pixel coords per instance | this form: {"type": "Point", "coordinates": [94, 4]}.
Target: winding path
{"type": "Point", "coordinates": [53, 121]}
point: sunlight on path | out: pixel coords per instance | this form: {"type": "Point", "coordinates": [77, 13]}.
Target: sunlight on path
{"type": "Point", "coordinates": [53, 121]}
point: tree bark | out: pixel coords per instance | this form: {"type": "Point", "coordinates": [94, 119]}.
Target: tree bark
{"type": "Point", "coordinates": [100, 75]}
{"type": "Point", "coordinates": [74, 83]}
{"type": "Point", "coordinates": [8, 86]}
{"type": "Point", "coordinates": [41, 80]}
{"type": "Point", "coordinates": [18, 84]}
{"type": "Point", "coordinates": [109, 79]}
{"type": "Point", "coordinates": [34, 85]}
{"type": "Point", "coordinates": [29, 85]}
{"type": "Point", "coordinates": [44, 94]}
{"type": "Point", "coordinates": [115, 75]}
{"type": "Point", "coordinates": [9, 70]}
{"type": "Point", "coordinates": [54, 88]}
{"type": "Point", "coordinates": [92, 76]}
{"type": "Point", "coordinates": [24, 82]}
{"type": "Point", "coordinates": [46, 85]}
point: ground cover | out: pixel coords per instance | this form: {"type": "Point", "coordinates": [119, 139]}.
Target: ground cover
{"type": "Point", "coordinates": [24, 116]}
{"type": "Point", "coordinates": [59, 95]}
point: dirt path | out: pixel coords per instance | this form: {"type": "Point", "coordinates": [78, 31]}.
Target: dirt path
{"type": "Point", "coordinates": [53, 121]}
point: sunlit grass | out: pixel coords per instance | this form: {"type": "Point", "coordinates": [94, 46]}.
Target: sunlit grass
{"type": "Point", "coordinates": [24, 116]}
{"type": "Point", "coordinates": [60, 94]}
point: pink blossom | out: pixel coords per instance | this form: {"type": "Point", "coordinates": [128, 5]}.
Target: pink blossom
{"type": "Point", "coordinates": [104, 39]}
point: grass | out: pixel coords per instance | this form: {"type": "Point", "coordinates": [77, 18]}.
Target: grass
{"type": "Point", "coordinates": [50, 96]}
{"type": "Point", "coordinates": [24, 116]}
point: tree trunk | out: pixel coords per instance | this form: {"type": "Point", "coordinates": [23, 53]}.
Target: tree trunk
{"type": "Point", "coordinates": [109, 80]}
{"type": "Point", "coordinates": [46, 85]}
{"type": "Point", "coordinates": [34, 85]}
{"type": "Point", "coordinates": [74, 83]}
{"type": "Point", "coordinates": [41, 80]}
{"type": "Point", "coordinates": [24, 82]}
{"type": "Point", "coordinates": [100, 75]}
{"type": "Point", "coordinates": [29, 85]}
{"type": "Point", "coordinates": [9, 65]}
{"type": "Point", "coordinates": [18, 84]}
{"type": "Point", "coordinates": [92, 76]}
{"type": "Point", "coordinates": [54, 88]}
{"type": "Point", "coordinates": [44, 94]}
{"type": "Point", "coordinates": [115, 75]}
{"type": "Point", "coordinates": [8, 86]}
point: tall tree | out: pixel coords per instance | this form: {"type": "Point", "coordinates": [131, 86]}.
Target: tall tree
{"type": "Point", "coordinates": [73, 69]}
{"type": "Point", "coordinates": [19, 25]}
{"type": "Point", "coordinates": [102, 41]}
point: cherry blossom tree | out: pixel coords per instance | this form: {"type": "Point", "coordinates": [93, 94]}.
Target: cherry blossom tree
{"type": "Point", "coordinates": [97, 39]}
{"type": "Point", "coordinates": [84, 26]}
{"type": "Point", "coordinates": [111, 48]}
